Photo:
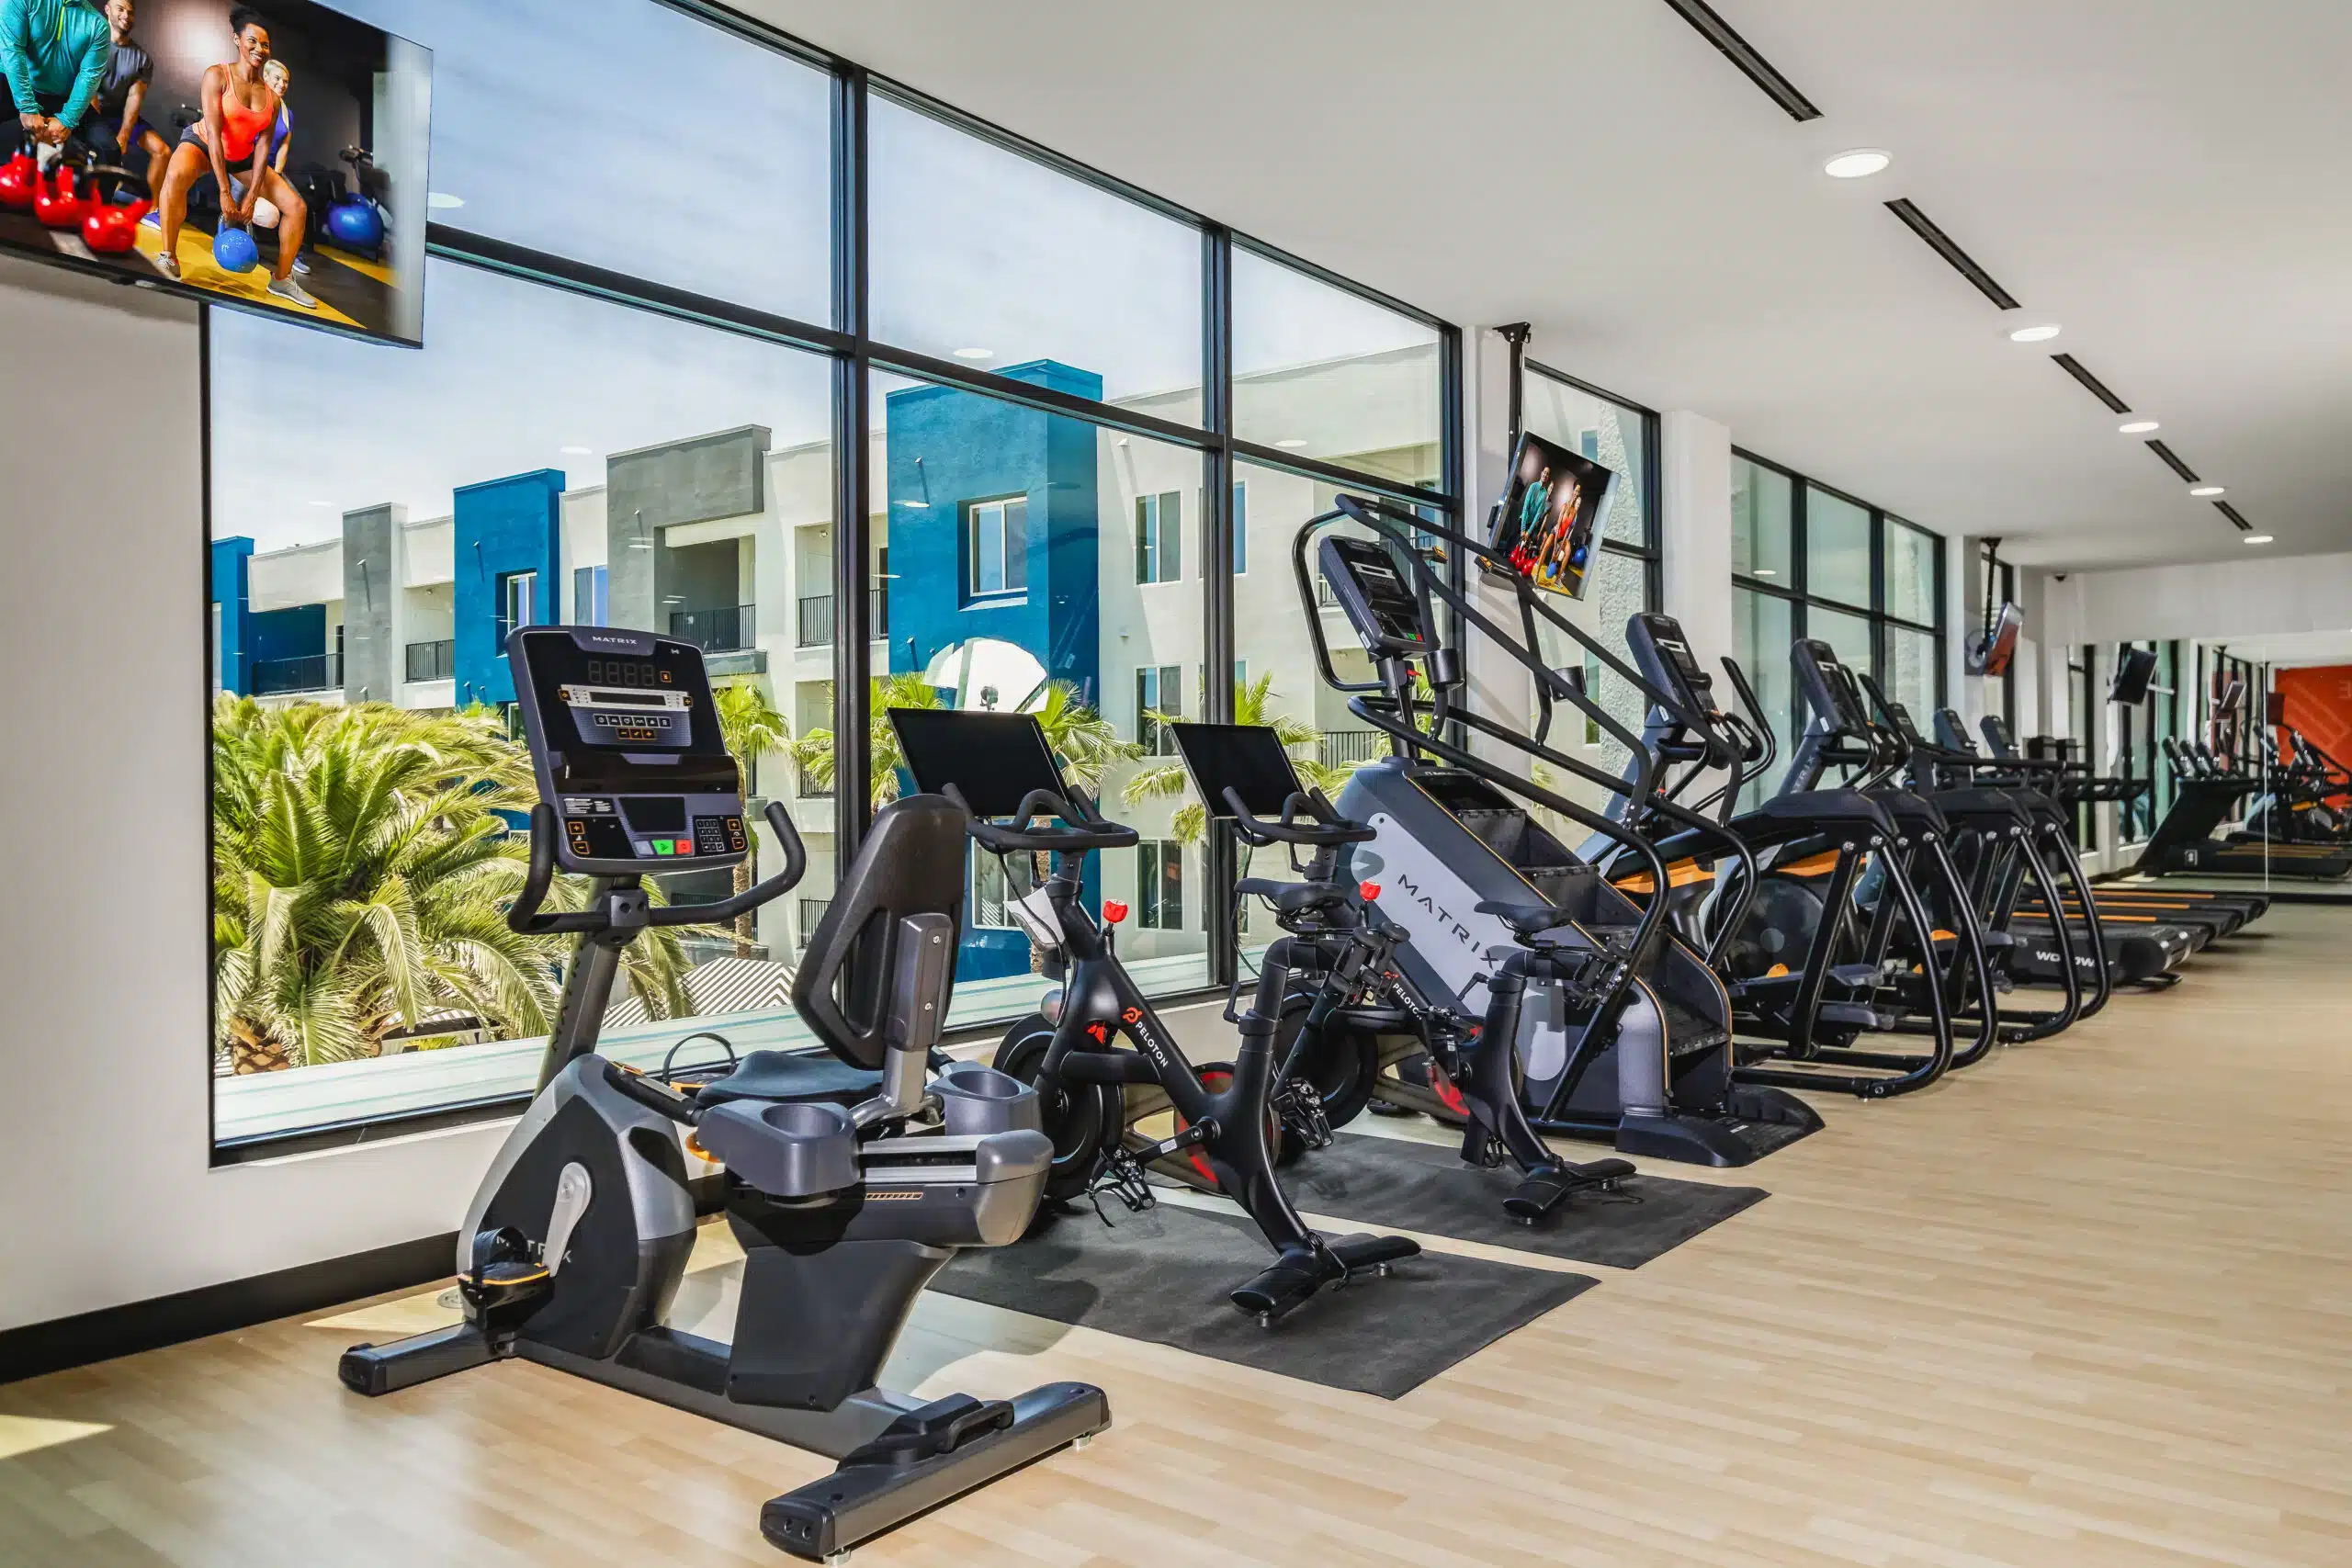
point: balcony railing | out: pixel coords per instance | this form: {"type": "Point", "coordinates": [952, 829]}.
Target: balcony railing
{"type": "Point", "coordinates": [811, 911]}
{"type": "Point", "coordinates": [433, 660]}
{"type": "Point", "coordinates": [809, 789]}
{"type": "Point", "coordinates": [721, 630]}
{"type": "Point", "coordinates": [1338, 747]}
{"type": "Point", "coordinates": [816, 617]}
{"type": "Point", "coordinates": [311, 672]}
{"type": "Point", "coordinates": [1324, 596]}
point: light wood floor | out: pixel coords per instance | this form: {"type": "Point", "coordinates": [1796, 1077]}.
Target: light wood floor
{"type": "Point", "coordinates": [2087, 1306]}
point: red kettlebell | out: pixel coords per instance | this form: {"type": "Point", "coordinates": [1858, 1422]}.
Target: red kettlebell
{"type": "Point", "coordinates": [112, 230]}
{"type": "Point", "coordinates": [20, 177]}
{"type": "Point", "coordinates": [60, 208]}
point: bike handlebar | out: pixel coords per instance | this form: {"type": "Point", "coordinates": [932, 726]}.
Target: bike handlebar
{"type": "Point", "coordinates": [1089, 830]}
{"type": "Point", "coordinates": [1328, 828]}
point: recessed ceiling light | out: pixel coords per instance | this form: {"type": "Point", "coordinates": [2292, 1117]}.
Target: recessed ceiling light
{"type": "Point", "coordinates": [2255, 539]}
{"type": "Point", "coordinates": [441, 200]}
{"type": "Point", "coordinates": [2041, 334]}
{"type": "Point", "coordinates": [2205, 492]}
{"type": "Point", "coordinates": [976, 354]}
{"type": "Point", "coordinates": [2139, 426]}
{"type": "Point", "coordinates": [1857, 164]}
{"type": "Point", "coordinates": [1294, 444]}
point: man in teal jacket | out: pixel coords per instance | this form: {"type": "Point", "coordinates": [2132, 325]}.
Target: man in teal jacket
{"type": "Point", "coordinates": [54, 54]}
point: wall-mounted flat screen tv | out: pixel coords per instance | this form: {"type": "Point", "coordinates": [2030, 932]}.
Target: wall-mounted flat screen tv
{"type": "Point", "coordinates": [1549, 513]}
{"type": "Point", "coordinates": [271, 157]}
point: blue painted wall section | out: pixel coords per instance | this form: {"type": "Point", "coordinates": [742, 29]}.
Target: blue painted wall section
{"type": "Point", "coordinates": [300, 631]}
{"type": "Point", "coordinates": [502, 527]}
{"type": "Point", "coordinates": [232, 578]}
{"type": "Point", "coordinates": [947, 449]}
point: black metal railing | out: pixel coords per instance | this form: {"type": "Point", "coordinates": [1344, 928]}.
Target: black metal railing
{"type": "Point", "coordinates": [1337, 747]}
{"type": "Point", "coordinates": [809, 789]}
{"type": "Point", "coordinates": [811, 911]}
{"type": "Point", "coordinates": [433, 660]}
{"type": "Point", "coordinates": [816, 627]}
{"type": "Point", "coordinates": [816, 621]}
{"type": "Point", "coordinates": [722, 629]}
{"type": "Point", "coordinates": [311, 672]}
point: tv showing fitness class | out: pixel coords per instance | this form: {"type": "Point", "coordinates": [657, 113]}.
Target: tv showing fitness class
{"type": "Point", "coordinates": [1549, 514]}
{"type": "Point", "coordinates": [271, 157]}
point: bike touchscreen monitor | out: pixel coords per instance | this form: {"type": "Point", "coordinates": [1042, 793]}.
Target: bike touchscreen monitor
{"type": "Point", "coordinates": [1248, 759]}
{"type": "Point", "coordinates": [994, 759]}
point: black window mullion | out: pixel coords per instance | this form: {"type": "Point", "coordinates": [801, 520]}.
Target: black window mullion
{"type": "Point", "coordinates": [1218, 857]}
{"type": "Point", "coordinates": [852, 477]}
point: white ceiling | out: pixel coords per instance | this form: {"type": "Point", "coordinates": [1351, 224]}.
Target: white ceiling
{"type": "Point", "coordinates": [2165, 177]}
{"type": "Point", "coordinates": [2291, 647]}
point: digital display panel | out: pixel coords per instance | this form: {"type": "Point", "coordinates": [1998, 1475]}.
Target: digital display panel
{"type": "Point", "coordinates": [1546, 523]}
{"type": "Point", "coordinates": [268, 157]}
{"type": "Point", "coordinates": [643, 673]}
{"type": "Point", "coordinates": [1248, 759]}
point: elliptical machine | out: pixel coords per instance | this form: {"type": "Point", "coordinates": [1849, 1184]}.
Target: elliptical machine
{"type": "Point", "coordinates": [849, 1183]}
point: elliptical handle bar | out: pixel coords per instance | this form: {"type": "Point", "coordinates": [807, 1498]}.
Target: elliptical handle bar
{"type": "Point", "coordinates": [1325, 828]}
{"type": "Point", "coordinates": [1086, 830]}
{"type": "Point", "coordinates": [526, 917]}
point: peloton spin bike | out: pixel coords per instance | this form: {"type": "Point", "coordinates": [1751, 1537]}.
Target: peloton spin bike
{"type": "Point", "coordinates": [1094, 1091]}
{"type": "Point", "coordinates": [1351, 1016]}
{"type": "Point", "coordinates": [849, 1184]}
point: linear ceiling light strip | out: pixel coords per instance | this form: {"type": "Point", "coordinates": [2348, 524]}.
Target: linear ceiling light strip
{"type": "Point", "coordinates": [1959, 261]}
{"type": "Point", "coordinates": [1742, 53]}
{"type": "Point", "coordinates": [2237, 518]}
{"type": "Point", "coordinates": [2091, 384]}
{"type": "Point", "coordinates": [2172, 461]}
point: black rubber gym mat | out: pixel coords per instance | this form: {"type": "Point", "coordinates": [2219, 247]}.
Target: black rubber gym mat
{"type": "Point", "coordinates": [1167, 1276]}
{"type": "Point", "coordinates": [1375, 1181]}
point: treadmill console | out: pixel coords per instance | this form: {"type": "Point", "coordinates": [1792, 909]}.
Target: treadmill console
{"type": "Point", "coordinates": [1380, 604]}
{"type": "Point", "coordinates": [1998, 735]}
{"type": "Point", "coordinates": [1829, 687]}
{"type": "Point", "coordinates": [625, 740]}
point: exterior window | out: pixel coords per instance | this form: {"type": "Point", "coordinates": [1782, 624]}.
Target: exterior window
{"type": "Point", "coordinates": [1159, 531]}
{"type": "Point", "coordinates": [991, 892]}
{"type": "Point", "coordinates": [516, 590]}
{"type": "Point", "coordinates": [1159, 885]}
{"type": "Point", "coordinates": [1000, 546]}
{"type": "Point", "coordinates": [590, 586]}
{"type": "Point", "coordinates": [1240, 527]}
{"type": "Point", "coordinates": [1158, 690]}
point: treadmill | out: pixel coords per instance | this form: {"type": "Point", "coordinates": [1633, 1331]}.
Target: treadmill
{"type": "Point", "coordinates": [2206, 796]}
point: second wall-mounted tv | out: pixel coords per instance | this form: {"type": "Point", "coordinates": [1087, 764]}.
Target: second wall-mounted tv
{"type": "Point", "coordinates": [1549, 514]}
{"type": "Point", "coordinates": [270, 157]}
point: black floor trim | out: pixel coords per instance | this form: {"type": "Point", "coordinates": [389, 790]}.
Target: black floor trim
{"type": "Point", "coordinates": [125, 1330]}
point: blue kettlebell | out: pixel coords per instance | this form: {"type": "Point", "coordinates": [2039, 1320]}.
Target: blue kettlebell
{"type": "Point", "coordinates": [234, 250]}
{"type": "Point", "coordinates": [356, 224]}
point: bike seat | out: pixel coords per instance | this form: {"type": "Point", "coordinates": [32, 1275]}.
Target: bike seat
{"type": "Point", "coordinates": [1528, 921]}
{"type": "Point", "coordinates": [1293, 898]}
{"type": "Point", "coordinates": [787, 1075]}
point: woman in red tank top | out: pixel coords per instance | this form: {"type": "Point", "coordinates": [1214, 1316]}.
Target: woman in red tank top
{"type": "Point", "coordinates": [232, 143]}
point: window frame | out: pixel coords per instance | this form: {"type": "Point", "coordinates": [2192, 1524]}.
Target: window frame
{"type": "Point", "coordinates": [1798, 594]}
{"type": "Point", "coordinates": [1154, 884]}
{"type": "Point", "coordinates": [1001, 505]}
{"type": "Point", "coordinates": [856, 356]}
{"type": "Point", "coordinates": [1153, 539]}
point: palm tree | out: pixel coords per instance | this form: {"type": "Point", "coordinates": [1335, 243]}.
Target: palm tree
{"type": "Point", "coordinates": [363, 862]}
{"type": "Point", "coordinates": [1252, 704]}
{"type": "Point", "coordinates": [751, 727]}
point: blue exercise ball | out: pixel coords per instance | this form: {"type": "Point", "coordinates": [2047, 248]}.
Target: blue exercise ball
{"type": "Point", "coordinates": [356, 224]}
{"type": "Point", "coordinates": [234, 250]}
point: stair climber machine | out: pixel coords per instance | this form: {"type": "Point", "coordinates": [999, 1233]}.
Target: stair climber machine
{"type": "Point", "coordinates": [1350, 1016]}
{"type": "Point", "coordinates": [1100, 1059]}
{"type": "Point", "coordinates": [1849, 917]}
{"type": "Point", "coordinates": [848, 1182]}
{"type": "Point", "coordinates": [1623, 1033]}
{"type": "Point", "coordinates": [2022, 874]}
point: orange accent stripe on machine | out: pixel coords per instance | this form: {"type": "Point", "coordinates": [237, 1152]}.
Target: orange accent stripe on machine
{"type": "Point", "coordinates": [1821, 865]}
{"type": "Point", "coordinates": [1681, 874]}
